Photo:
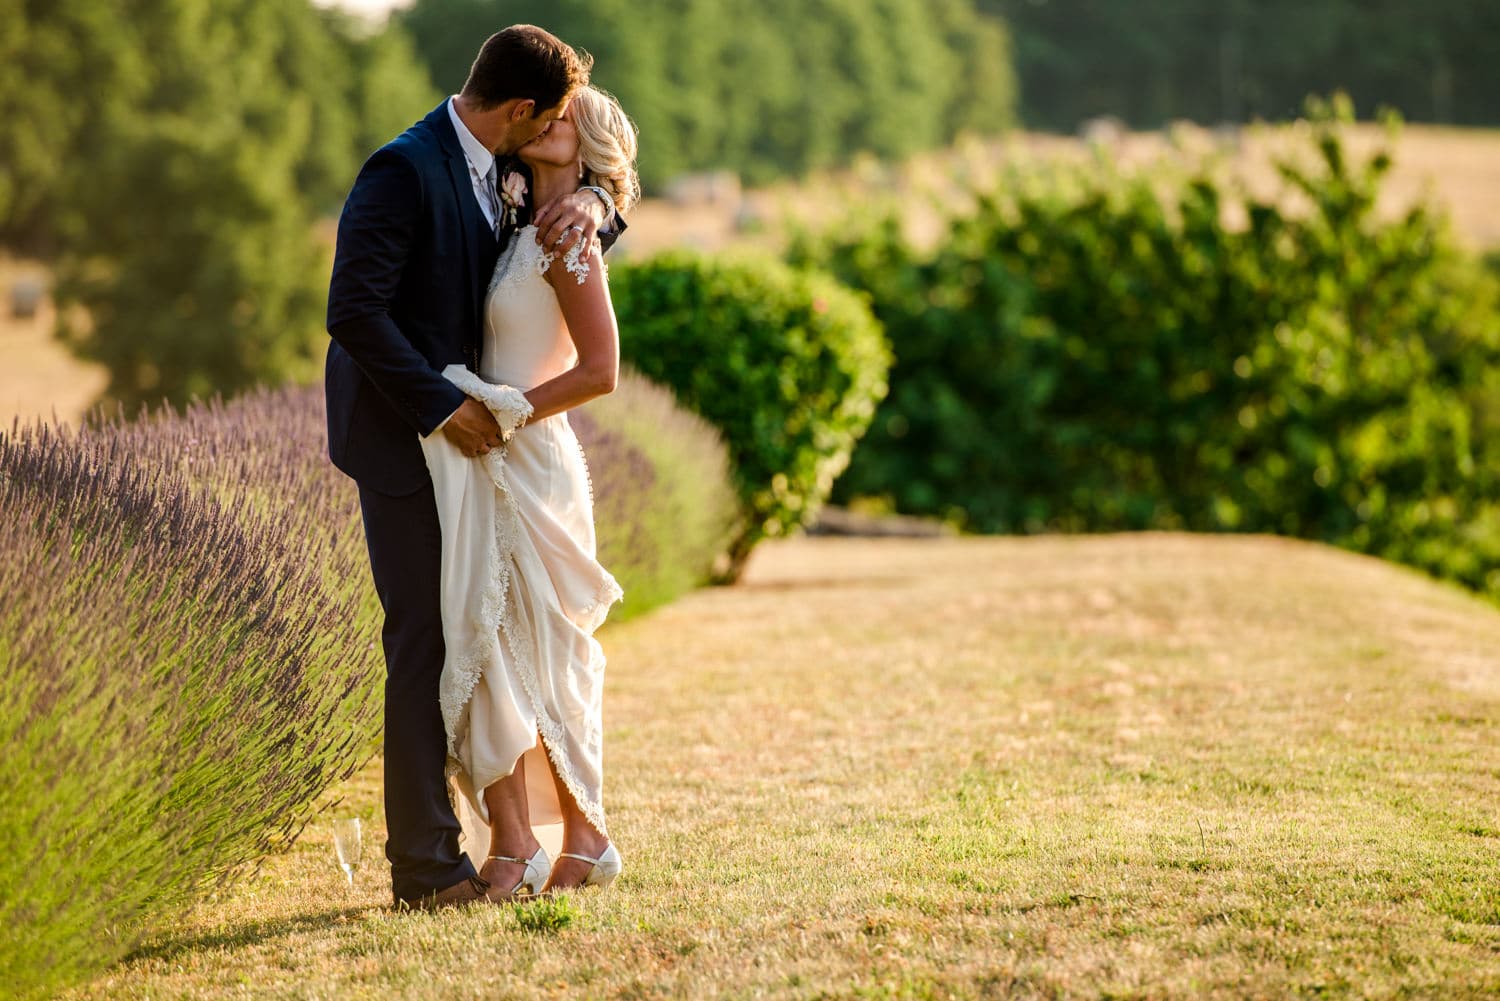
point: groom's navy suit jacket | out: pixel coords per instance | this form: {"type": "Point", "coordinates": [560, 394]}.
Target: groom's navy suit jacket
{"type": "Point", "coordinates": [413, 256]}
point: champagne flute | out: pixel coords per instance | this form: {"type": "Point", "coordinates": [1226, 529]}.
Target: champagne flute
{"type": "Point", "coordinates": [346, 844]}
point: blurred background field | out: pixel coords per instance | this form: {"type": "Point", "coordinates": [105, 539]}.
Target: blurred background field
{"type": "Point", "coordinates": [1457, 168]}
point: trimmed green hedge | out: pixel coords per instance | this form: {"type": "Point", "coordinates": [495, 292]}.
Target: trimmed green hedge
{"type": "Point", "coordinates": [786, 363]}
{"type": "Point", "coordinates": [665, 507]}
{"type": "Point", "coordinates": [1088, 354]}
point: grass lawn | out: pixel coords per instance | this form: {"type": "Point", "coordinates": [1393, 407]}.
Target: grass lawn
{"type": "Point", "coordinates": [1123, 766]}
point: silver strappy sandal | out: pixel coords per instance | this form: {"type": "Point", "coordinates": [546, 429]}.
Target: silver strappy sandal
{"type": "Point", "coordinates": [538, 868]}
{"type": "Point", "coordinates": [606, 867]}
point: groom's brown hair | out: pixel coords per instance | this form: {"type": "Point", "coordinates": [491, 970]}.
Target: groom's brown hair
{"type": "Point", "coordinates": [527, 62]}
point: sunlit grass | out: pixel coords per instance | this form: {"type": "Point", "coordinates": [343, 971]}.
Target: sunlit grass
{"type": "Point", "coordinates": [1132, 766]}
{"type": "Point", "coordinates": [547, 914]}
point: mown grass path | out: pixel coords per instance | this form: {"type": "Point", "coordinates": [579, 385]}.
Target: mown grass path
{"type": "Point", "coordinates": [1149, 765]}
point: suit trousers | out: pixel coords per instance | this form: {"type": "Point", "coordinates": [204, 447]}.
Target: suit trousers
{"type": "Point", "coordinates": [404, 540]}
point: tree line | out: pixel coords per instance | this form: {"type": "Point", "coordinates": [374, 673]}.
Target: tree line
{"type": "Point", "coordinates": [1151, 61]}
{"type": "Point", "coordinates": [766, 88]}
{"type": "Point", "coordinates": [171, 158]}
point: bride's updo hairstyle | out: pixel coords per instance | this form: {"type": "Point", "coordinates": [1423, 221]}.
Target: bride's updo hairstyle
{"type": "Point", "coordinates": [607, 144]}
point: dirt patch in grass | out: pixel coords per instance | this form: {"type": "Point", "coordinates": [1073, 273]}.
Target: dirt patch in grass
{"type": "Point", "coordinates": [39, 378]}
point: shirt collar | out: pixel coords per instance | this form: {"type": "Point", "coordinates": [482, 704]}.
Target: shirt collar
{"type": "Point", "coordinates": [479, 157]}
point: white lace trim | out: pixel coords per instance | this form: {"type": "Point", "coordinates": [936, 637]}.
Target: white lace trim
{"type": "Point", "coordinates": [528, 259]}
{"type": "Point", "coordinates": [608, 592]}
{"type": "Point", "coordinates": [505, 276]}
{"type": "Point", "coordinates": [498, 615]}
{"type": "Point", "coordinates": [551, 730]}
{"type": "Point", "coordinates": [587, 475]}
{"type": "Point", "coordinates": [571, 261]}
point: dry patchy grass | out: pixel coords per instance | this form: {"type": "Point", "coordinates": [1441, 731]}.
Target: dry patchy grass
{"type": "Point", "coordinates": [1126, 766]}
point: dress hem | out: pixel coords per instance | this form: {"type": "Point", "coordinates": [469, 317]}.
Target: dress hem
{"type": "Point", "coordinates": [498, 614]}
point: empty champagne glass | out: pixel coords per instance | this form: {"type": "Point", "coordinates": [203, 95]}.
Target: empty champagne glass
{"type": "Point", "coordinates": [346, 843]}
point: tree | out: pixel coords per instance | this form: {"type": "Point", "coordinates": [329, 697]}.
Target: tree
{"type": "Point", "coordinates": [766, 89]}
{"type": "Point", "coordinates": [66, 68]}
{"type": "Point", "coordinates": [199, 272]}
{"type": "Point", "coordinates": [171, 159]}
{"type": "Point", "coordinates": [1151, 61]}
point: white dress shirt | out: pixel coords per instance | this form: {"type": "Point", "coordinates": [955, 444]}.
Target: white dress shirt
{"type": "Point", "coordinates": [481, 166]}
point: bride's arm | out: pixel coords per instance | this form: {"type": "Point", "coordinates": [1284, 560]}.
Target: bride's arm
{"type": "Point", "coordinates": [583, 294]}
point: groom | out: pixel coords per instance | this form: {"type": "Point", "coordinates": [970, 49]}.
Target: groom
{"type": "Point", "coordinates": [417, 241]}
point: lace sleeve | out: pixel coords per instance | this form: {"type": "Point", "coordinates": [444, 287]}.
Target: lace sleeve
{"type": "Point", "coordinates": [509, 404]}
{"type": "Point", "coordinates": [573, 261]}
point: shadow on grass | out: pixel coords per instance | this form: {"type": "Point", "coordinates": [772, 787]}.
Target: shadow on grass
{"type": "Point", "coordinates": [249, 933]}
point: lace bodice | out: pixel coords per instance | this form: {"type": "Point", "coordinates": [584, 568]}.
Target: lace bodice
{"type": "Point", "coordinates": [526, 340]}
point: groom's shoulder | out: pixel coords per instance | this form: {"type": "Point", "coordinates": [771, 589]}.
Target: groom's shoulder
{"type": "Point", "coordinates": [419, 144]}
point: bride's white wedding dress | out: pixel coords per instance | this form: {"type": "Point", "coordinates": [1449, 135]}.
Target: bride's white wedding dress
{"type": "Point", "coordinates": [522, 592]}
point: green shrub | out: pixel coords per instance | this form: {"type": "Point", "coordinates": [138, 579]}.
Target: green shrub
{"type": "Point", "coordinates": [665, 507]}
{"type": "Point", "coordinates": [787, 364]}
{"type": "Point", "coordinates": [1089, 354]}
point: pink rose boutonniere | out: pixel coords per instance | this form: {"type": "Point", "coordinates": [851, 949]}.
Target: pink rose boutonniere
{"type": "Point", "coordinates": [513, 194]}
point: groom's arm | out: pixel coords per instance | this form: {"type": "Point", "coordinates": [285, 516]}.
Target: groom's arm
{"type": "Point", "coordinates": [376, 232]}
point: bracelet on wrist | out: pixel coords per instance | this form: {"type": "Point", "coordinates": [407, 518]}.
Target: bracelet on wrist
{"type": "Point", "coordinates": [609, 203]}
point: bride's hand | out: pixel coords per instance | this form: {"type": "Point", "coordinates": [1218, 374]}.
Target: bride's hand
{"type": "Point", "coordinates": [572, 217]}
{"type": "Point", "coordinates": [473, 428]}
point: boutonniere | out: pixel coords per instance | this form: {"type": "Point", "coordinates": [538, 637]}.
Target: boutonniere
{"type": "Point", "coordinates": [513, 194]}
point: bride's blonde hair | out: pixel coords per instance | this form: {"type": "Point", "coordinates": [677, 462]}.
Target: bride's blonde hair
{"type": "Point", "coordinates": [607, 144]}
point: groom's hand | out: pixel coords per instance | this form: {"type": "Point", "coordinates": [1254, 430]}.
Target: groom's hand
{"type": "Point", "coordinates": [570, 218]}
{"type": "Point", "coordinates": [473, 428]}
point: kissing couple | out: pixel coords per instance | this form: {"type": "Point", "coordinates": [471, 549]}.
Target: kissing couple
{"type": "Point", "coordinates": [468, 312]}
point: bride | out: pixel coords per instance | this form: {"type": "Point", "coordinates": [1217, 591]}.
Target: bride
{"type": "Point", "coordinates": [522, 592]}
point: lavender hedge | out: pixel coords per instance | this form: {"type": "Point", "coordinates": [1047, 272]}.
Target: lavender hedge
{"type": "Point", "coordinates": [665, 508]}
{"type": "Point", "coordinates": [179, 686]}
{"type": "Point", "coordinates": [189, 650]}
